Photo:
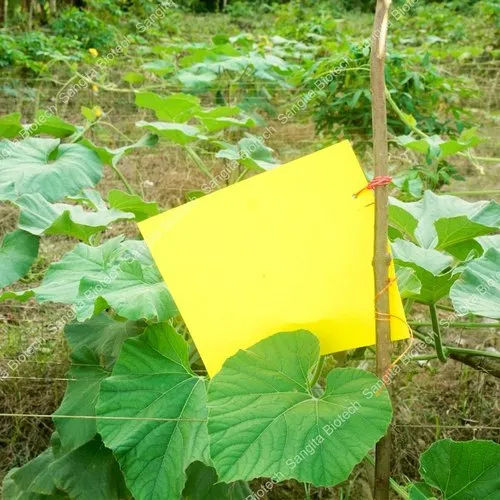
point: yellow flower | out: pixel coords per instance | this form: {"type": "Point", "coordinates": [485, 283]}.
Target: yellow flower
{"type": "Point", "coordinates": [95, 88]}
{"type": "Point", "coordinates": [97, 111]}
{"type": "Point", "coordinates": [93, 52]}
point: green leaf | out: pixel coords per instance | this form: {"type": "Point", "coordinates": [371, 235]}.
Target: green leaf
{"type": "Point", "coordinates": [265, 420]}
{"type": "Point", "coordinates": [159, 67]}
{"type": "Point", "coordinates": [488, 242]}
{"type": "Point", "coordinates": [103, 335]}
{"type": "Point", "coordinates": [89, 473]}
{"type": "Point", "coordinates": [118, 274]}
{"type": "Point", "coordinates": [421, 491]}
{"type": "Point", "coordinates": [32, 481]}
{"type": "Point", "coordinates": [249, 152]}
{"type": "Point", "coordinates": [38, 216]}
{"type": "Point", "coordinates": [477, 291]}
{"type": "Point", "coordinates": [455, 230]}
{"type": "Point", "coordinates": [180, 133]}
{"type": "Point", "coordinates": [10, 125]}
{"type": "Point", "coordinates": [173, 108]}
{"type": "Point", "coordinates": [18, 251]}
{"type": "Point", "coordinates": [133, 77]}
{"type": "Point", "coordinates": [465, 250]}
{"type": "Point", "coordinates": [444, 221]}
{"type": "Point", "coordinates": [401, 218]}
{"type": "Point", "coordinates": [202, 484]}
{"type": "Point", "coordinates": [46, 123]}
{"type": "Point", "coordinates": [113, 156]}
{"type": "Point", "coordinates": [88, 113]}
{"type": "Point", "coordinates": [436, 147]}
{"type": "Point", "coordinates": [432, 269]}
{"type": "Point", "coordinates": [80, 398]}
{"type": "Point", "coordinates": [152, 380]}
{"type": "Point", "coordinates": [46, 167]}
{"type": "Point", "coordinates": [62, 279]}
{"type": "Point", "coordinates": [408, 283]}
{"type": "Point", "coordinates": [463, 470]}
{"type": "Point", "coordinates": [223, 117]}
{"type": "Point", "coordinates": [21, 296]}
{"type": "Point", "coordinates": [132, 203]}
{"type": "Point", "coordinates": [136, 291]}
{"type": "Point", "coordinates": [196, 82]}
{"type": "Point", "coordinates": [468, 139]}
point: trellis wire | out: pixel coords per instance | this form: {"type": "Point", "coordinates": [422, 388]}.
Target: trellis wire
{"type": "Point", "coordinates": [161, 419]}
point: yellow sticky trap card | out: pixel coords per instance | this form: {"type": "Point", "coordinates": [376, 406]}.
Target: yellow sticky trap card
{"type": "Point", "coordinates": [287, 249]}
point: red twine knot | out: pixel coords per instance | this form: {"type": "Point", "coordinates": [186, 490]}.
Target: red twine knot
{"type": "Point", "coordinates": [380, 180]}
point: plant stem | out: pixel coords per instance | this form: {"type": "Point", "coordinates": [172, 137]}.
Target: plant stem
{"type": "Point", "coordinates": [317, 371]}
{"type": "Point", "coordinates": [422, 134]}
{"type": "Point", "coordinates": [408, 306]}
{"type": "Point", "coordinates": [484, 361]}
{"type": "Point", "coordinates": [441, 353]}
{"type": "Point", "coordinates": [460, 350]}
{"type": "Point", "coordinates": [457, 324]}
{"type": "Point", "coordinates": [118, 172]}
{"type": "Point", "coordinates": [444, 308]}
{"type": "Point", "coordinates": [199, 163]}
{"type": "Point", "coordinates": [307, 491]}
{"type": "Point", "coordinates": [381, 257]}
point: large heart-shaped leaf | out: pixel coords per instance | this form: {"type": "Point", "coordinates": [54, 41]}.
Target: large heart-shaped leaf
{"type": "Point", "coordinates": [463, 470]}
{"type": "Point", "coordinates": [18, 251]}
{"type": "Point", "coordinates": [266, 420]}
{"type": "Point", "coordinates": [432, 269]}
{"type": "Point", "coordinates": [46, 167]}
{"type": "Point", "coordinates": [38, 216]}
{"type": "Point", "coordinates": [118, 273]}
{"type": "Point", "coordinates": [84, 376]}
{"type": "Point", "coordinates": [156, 409]}
{"type": "Point", "coordinates": [444, 221]}
{"type": "Point", "coordinates": [477, 291]}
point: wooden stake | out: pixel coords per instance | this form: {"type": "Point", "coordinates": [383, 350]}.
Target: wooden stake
{"type": "Point", "coordinates": [381, 257]}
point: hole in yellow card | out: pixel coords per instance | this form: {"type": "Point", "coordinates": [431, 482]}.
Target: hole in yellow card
{"type": "Point", "coordinates": [287, 249]}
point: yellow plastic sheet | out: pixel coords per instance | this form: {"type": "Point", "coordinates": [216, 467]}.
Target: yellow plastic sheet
{"type": "Point", "coordinates": [287, 249]}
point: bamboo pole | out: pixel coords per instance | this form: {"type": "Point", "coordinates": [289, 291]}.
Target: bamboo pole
{"type": "Point", "coordinates": [5, 13]}
{"type": "Point", "coordinates": [381, 257]}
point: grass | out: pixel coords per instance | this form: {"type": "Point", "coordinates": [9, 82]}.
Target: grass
{"type": "Point", "coordinates": [430, 401]}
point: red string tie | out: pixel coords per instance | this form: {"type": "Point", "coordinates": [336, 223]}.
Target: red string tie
{"type": "Point", "coordinates": [379, 180]}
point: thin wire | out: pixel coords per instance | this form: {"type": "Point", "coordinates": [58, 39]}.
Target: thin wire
{"type": "Point", "coordinates": [159, 419]}
{"type": "Point", "coordinates": [93, 417]}
{"type": "Point", "coordinates": [46, 379]}
{"type": "Point", "coordinates": [472, 427]}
